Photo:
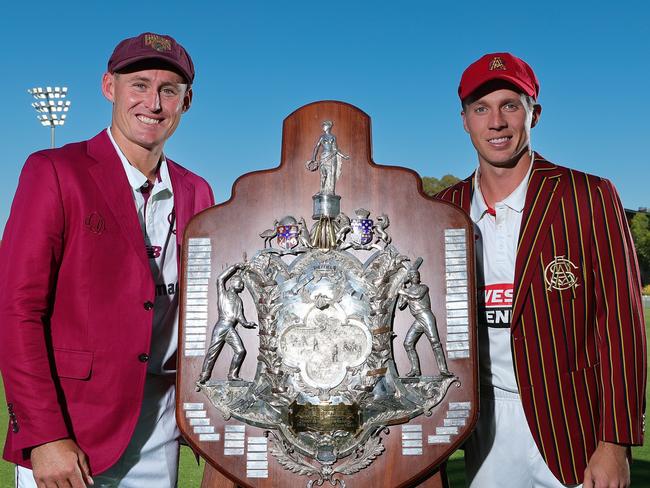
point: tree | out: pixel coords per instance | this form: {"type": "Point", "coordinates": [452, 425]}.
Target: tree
{"type": "Point", "coordinates": [640, 228]}
{"type": "Point", "coordinates": [433, 185]}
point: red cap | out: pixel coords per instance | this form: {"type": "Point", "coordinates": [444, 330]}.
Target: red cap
{"type": "Point", "coordinates": [152, 46]}
{"type": "Point", "coordinates": [498, 66]}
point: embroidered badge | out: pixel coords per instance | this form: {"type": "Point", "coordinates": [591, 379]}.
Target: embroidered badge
{"type": "Point", "coordinates": [497, 64]}
{"type": "Point", "coordinates": [171, 218]}
{"type": "Point", "coordinates": [95, 223]}
{"type": "Point", "coordinates": [159, 43]}
{"type": "Point", "coordinates": [559, 275]}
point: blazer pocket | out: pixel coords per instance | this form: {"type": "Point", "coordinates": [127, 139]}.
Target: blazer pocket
{"type": "Point", "coordinates": [588, 375]}
{"type": "Point", "coordinates": [73, 364]}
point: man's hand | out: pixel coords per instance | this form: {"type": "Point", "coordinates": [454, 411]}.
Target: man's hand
{"type": "Point", "coordinates": [250, 325]}
{"type": "Point", "coordinates": [60, 463]}
{"type": "Point", "coordinates": [608, 467]}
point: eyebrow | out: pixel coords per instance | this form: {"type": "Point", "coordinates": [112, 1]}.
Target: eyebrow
{"type": "Point", "coordinates": [166, 83]}
{"type": "Point", "coordinates": [501, 102]}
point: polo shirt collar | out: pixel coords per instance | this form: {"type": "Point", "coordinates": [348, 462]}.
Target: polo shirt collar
{"type": "Point", "coordinates": [515, 201]}
{"type": "Point", "coordinates": [135, 176]}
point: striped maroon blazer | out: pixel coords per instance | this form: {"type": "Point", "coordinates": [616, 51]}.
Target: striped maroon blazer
{"type": "Point", "coordinates": [577, 329]}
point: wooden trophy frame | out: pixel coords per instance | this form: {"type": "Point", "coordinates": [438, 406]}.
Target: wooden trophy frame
{"type": "Point", "coordinates": [441, 234]}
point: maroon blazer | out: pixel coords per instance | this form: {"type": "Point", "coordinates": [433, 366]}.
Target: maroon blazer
{"type": "Point", "coordinates": [579, 352]}
{"type": "Point", "coordinates": [76, 300]}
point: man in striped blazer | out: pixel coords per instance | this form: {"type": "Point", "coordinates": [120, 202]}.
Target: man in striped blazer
{"type": "Point", "coordinates": [561, 329]}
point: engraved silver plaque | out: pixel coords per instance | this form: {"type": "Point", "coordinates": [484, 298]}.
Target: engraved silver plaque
{"type": "Point", "coordinates": [209, 437]}
{"type": "Point", "coordinates": [205, 421]}
{"type": "Point", "coordinates": [195, 413]}
{"type": "Point", "coordinates": [411, 451]}
{"type": "Point", "coordinates": [233, 452]}
{"type": "Point", "coordinates": [257, 456]}
{"type": "Point", "coordinates": [439, 439]}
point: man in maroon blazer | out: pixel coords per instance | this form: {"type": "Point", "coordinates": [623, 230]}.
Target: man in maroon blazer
{"type": "Point", "coordinates": [561, 330]}
{"type": "Point", "coordinates": [89, 266]}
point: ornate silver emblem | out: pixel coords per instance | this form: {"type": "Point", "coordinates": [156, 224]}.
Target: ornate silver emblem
{"type": "Point", "coordinates": [559, 275]}
{"type": "Point", "coordinates": [326, 385]}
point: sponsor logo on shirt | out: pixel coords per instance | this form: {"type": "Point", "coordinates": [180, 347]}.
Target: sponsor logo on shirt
{"type": "Point", "coordinates": [153, 252]}
{"type": "Point", "coordinates": [166, 289]}
{"type": "Point", "coordinates": [496, 308]}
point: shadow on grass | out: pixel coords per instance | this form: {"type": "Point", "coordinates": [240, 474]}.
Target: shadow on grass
{"type": "Point", "coordinates": [640, 473]}
{"type": "Point", "coordinates": [456, 471]}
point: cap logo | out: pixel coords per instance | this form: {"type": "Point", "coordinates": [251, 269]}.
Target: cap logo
{"type": "Point", "coordinates": [159, 43]}
{"type": "Point", "coordinates": [497, 64]}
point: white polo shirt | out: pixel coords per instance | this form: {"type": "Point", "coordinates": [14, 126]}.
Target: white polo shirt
{"type": "Point", "coordinates": [155, 207]}
{"type": "Point", "coordinates": [496, 251]}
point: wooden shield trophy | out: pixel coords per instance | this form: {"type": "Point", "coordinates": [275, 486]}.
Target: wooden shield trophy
{"type": "Point", "coordinates": [327, 319]}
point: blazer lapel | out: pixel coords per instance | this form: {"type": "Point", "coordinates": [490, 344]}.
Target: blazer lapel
{"type": "Point", "coordinates": [112, 182]}
{"type": "Point", "coordinates": [545, 190]}
{"type": "Point", "coordinates": [460, 194]}
{"type": "Point", "coordinates": [183, 198]}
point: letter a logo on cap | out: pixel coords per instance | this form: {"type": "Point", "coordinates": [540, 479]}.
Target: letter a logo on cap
{"type": "Point", "coordinates": [497, 64]}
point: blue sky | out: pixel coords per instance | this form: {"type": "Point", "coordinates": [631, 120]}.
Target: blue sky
{"type": "Point", "coordinates": [399, 62]}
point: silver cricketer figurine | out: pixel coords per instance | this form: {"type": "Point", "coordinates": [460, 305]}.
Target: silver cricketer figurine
{"type": "Point", "coordinates": [416, 295]}
{"type": "Point", "coordinates": [231, 312]}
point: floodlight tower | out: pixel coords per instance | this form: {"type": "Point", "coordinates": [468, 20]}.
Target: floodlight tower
{"type": "Point", "coordinates": [51, 106]}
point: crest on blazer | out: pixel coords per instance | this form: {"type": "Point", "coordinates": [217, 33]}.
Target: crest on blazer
{"type": "Point", "coordinates": [95, 223]}
{"type": "Point", "coordinates": [559, 275]}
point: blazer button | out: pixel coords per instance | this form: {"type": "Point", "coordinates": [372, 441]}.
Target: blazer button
{"type": "Point", "coordinates": [148, 305]}
{"type": "Point", "coordinates": [143, 358]}
{"type": "Point", "coordinates": [14, 426]}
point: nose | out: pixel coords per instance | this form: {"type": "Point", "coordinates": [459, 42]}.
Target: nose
{"type": "Point", "coordinates": [153, 101]}
{"type": "Point", "coordinates": [497, 120]}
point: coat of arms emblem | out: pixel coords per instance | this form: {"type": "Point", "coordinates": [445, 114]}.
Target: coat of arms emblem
{"type": "Point", "coordinates": [287, 233]}
{"type": "Point", "coordinates": [362, 227]}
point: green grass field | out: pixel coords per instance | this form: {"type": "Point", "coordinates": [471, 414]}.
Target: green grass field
{"type": "Point", "coordinates": [191, 473]}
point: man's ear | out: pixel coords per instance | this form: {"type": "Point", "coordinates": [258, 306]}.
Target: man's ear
{"type": "Point", "coordinates": [537, 112]}
{"type": "Point", "coordinates": [108, 86]}
{"type": "Point", "coordinates": [187, 99]}
{"type": "Point", "coordinates": [462, 114]}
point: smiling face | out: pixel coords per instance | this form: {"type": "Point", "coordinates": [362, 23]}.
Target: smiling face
{"type": "Point", "coordinates": [147, 107]}
{"type": "Point", "coordinates": [499, 124]}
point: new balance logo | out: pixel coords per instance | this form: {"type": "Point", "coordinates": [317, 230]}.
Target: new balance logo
{"type": "Point", "coordinates": [153, 252]}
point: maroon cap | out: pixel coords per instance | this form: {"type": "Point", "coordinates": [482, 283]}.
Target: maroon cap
{"type": "Point", "coordinates": [498, 66]}
{"type": "Point", "coordinates": [152, 46]}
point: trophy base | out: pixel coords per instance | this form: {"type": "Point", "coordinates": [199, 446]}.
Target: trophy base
{"type": "Point", "coordinates": [326, 206]}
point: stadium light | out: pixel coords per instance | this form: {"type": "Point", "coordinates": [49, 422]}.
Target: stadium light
{"type": "Point", "coordinates": [51, 106]}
